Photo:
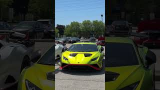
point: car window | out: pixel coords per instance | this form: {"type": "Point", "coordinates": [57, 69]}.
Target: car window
{"type": "Point", "coordinates": [83, 48]}
{"type": "Point", "coordinates": [25, 25]}
{"type": "Point", "coordinates": [48, 57]}
{"type": "Point", "coordinates": [119, 23]}
{"type": "Point", "coordinates": [120, 54]}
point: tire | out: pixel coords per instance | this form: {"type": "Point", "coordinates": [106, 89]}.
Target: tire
{"type": "Point", "coordinates": [25, 63]}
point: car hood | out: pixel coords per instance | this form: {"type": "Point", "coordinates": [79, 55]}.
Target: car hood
{"type": "Point", "coordinates": [119, 77]}
{"type": "Point", "coordinates": [21, 29]}
{"type": "Point", "coordinates": [81, 57]}
{"type": "Point", "coordinates": [37, 74]}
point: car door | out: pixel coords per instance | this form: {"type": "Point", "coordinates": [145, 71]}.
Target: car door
{"type": "Point", "coordinates": [148, 71]}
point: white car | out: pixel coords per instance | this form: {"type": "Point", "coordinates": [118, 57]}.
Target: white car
{"type": "Point", "coordinates": [59, 48]}
{"type": "Point", "coordinates": [14, 57]}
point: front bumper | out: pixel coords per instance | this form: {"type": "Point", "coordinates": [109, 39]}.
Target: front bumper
{"type": "Point", "coordinates": [84, 66]}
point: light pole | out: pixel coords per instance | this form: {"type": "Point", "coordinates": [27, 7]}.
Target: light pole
{"type": "Point", "coordinates": [102, 21]}
{"type": "Point", "coordinates": [102, 17]}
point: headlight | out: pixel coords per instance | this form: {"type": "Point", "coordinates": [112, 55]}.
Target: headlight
{"type": "Point", "coordinates": [65, 58]}
{"type": "Point", "coordinates": [31, 86]}
{"type": "Point", "coordinates": [131, 87]}
{"type": "Point", "coordinates": [94, 59]}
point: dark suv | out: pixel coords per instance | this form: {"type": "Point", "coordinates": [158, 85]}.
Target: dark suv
{"type": "Point", "coordinates": [33, 29]}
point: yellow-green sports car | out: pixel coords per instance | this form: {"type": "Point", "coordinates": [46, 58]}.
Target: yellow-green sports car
{"type": "Point", "coordinates": [128, 66]}
{"type": "Point", "coordinates": [41, 75]}
{"type": "Point", "coordinates": [83, 55]}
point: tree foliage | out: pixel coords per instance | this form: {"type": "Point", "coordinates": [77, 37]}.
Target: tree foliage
{"type": "Point", "coordinates": [56, 32]}
{"type": "Point", "coordinates": [86, 29]}
{"type": "Point", "coordinates": [41, 8]}
{"type": "Point", "coordinates": [5, 3]}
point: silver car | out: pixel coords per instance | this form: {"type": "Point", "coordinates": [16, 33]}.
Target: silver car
{"type": "Point", "coordinates": [14, 57]}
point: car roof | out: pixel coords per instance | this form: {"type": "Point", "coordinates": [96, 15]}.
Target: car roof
{"type": "Point", "coordinates": [44, 20]}
{"type": "Point", "coordinates": [28, 21]}
{"type": "Point", "coordinates": [85, 43]}
{"type": "Point", "coordinates": [119, 40]}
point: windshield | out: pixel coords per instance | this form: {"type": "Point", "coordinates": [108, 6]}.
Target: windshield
{"type": "Point", "coordinates": [44, 22]}
{"type": "Point", "coordinates": [25, 25]}
{"type": "Point", "coordinates": [48, 57]}
{"type": "Point", "coordinates": [119, 23]}
{"type": "Point", "coordinates": [120, 54]}
{"type": "Point", "coordinates": [83, 48]}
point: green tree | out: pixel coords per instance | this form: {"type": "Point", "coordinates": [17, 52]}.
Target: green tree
{"type": "Point", "coordinates": [41, 8]}
{"type": "Point", "coordinates": [56, 32]}
{"type": "Point", "coordinates": [5, 3]}
{"type": "Point", "coordinates": [98, 28]}
{"type": "Point", "coordinates": [73, 29]}
{"type": "Point", "coordinates": [87, 28]}
{"type": "Point", "coordinates": [67, 30]}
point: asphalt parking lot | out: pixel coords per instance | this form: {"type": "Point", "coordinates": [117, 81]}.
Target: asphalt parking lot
{"type": "Point", "coordinates": [79, 79]}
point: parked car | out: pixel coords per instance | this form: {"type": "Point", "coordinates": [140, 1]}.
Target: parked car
{"type": "Point", "coordinates": [14, 57]}
{"type": "Point", "coordinates": [59, 48]}
{"type": "Point", "coordinates": [33, 29]}
{"type": "Point", "coordinates": [101, 42]}
{"type": "Point", "coordinates": [40, 76]}
{"type": "Point", "coordinates": [92, 39]}
{"type": "Point", "coordinates": [83, 55]}
{"type": "Point", "coordinates": [73, 40]}
{"type": "Point", "coordinates": [128, 66]}
{"type": "Point", "coordinates": [63, 40]}
{"type": "Point", "coordinates": [151, 29]}
{"type": "Point", "coordinates": [48, 27]}
{"type": "Point", "coordinates": [121, 27]}
{"type": "Point", "coordinates": [4, 26]}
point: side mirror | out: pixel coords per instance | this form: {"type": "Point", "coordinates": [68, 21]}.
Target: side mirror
{"type": "Point", "coordinates": [36, 56]}
{"type": "Point", "coordinates": [102, 49]}
{"type": "Point", "coordinates": [150, 57]}
{"type": "Point", "coordinates": [65, 48]}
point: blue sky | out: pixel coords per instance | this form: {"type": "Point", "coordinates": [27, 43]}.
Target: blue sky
{"type": "Point", "coordinates": [67, 11]}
